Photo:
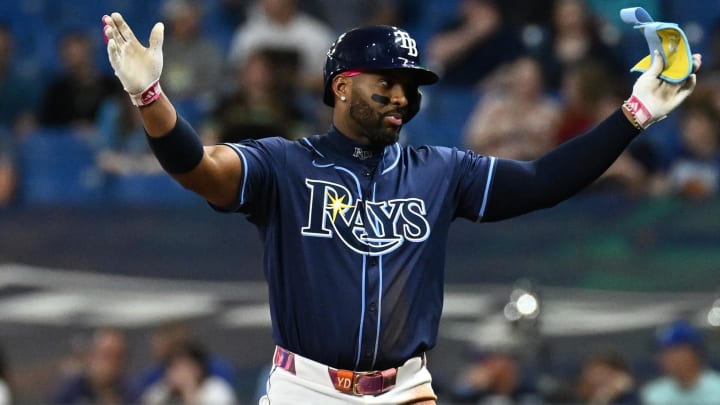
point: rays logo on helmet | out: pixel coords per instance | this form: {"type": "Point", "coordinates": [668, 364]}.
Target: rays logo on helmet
{"type": "Point", "coordinates": [405, 41]}
{"type": "Point", "coordinates": [366, 227]}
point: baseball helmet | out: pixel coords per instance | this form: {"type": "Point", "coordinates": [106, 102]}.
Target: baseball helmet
{"type": "Point", "coordinates": [376, 47]}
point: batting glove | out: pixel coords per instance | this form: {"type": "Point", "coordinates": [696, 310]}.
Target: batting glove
{"type": "Point", "coordinates": [137, 67]}
{"type": "Point", "coordinates": [653, 99]}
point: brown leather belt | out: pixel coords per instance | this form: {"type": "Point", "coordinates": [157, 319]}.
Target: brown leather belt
{"type": "Point", "coordinates": [345, 381]}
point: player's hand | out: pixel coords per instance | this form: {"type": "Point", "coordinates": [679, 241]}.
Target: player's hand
{"type": "Point", "coordinates": [653, 98]}
{"type": "Point", "coordinates": [137, 67]}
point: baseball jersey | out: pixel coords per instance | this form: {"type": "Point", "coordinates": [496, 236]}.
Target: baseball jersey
{"type": "Point", "coordinates": [355, 239]}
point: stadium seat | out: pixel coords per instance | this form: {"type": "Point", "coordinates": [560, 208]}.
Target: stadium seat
{"type": "Point", "coordinates": [58, 167]}
{"type": "Point", "coordinates": [151, 189]}
{"type": "Point", "coordinates": [450, 109]}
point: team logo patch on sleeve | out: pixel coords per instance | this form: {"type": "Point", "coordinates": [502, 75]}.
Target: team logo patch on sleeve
{"type": "Point", "coordinates": [366, 227]}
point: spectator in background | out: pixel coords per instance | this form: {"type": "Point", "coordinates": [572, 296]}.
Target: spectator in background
{"type": "Point", "coordinates": [711, 88]}
{"type": "Point", "coordinates": [695, 171]}
{"type": "Point", "coordinates": [73, 98]}
{"type": "Point", "coordinates": [714, 47]}
{"type": "Point", "coordinates": [687, 379]}
{"type": "Point", "coordinates": [7, 169]}
{"type": "Point", "coordinates": [19, 93]}
{"type": "Point", "coordinates": [524, 13]}
{"type": "Point", "coordinates": [102, 381]}
{"type": "Point", "coordinates": [164, 340]}
{"type": "Point", "coordinates": [279, 25]}
{"type": "Point", "coordinates": [586, 86]}
{"type": "Point", "coordinates": [192, 63]}
{"type": "Point", "coordinates": [259, 107]}
{"type": "Point", "coordinates": [188, 380]}
{"type": "Point", "coordinates": [232, 13]}
{"type": "Point", "coordinates": [633, 173]}
{"type": "Point", "coordinates": [606, 380]}
{"type": "Point", "coordinates": [588, 94]}
{"type": "Point", "coordinates": [608, 12]}
{"type": "Point", "coordinates": [517, 120]}
{"type": "Point", "coordinates": [494, 378]}
{"type": "Point", "coordinates": [342, 15]}
{"type": "Point", "coordinates": [472, 47]}
{"type": "Point", "coordinates": [16, 116]}
{"type": "Point", "coordinates": [122, 147]}
{"type": "Point", "coordinates": [573, 37]}
{"type": "Point", "coordinates": [5, 396]}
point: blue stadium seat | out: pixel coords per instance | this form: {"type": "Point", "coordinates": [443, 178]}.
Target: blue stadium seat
{"type": "Point", "coordinates": [31, 33]}
{"type": "Point", "coordinates": [216, 25]}
{"type": "Point", "coordinates": [58, 167]}
{"type": "Point", "coordinates": [193, 110]}
{"type": "Point", "coordinates": [448, 110]}
{"type": "Point", "coordinates": [423, 22]}
{"type": "Point", "coordinates": [151, 189]}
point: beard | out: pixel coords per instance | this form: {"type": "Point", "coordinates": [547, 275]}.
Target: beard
{"type": "Point", "coordinates": [371, 123]}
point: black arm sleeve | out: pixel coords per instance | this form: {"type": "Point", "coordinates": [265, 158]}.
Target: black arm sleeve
{"type": "Point", "coordinates": [521, 187]}
{"type": "Point", "coordinates": [178, 151]}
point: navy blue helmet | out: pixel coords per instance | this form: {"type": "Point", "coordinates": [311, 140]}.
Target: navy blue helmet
{"type": "Point", "coordinates": [377, 47]}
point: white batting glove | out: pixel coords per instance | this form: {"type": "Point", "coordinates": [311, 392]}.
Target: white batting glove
{"type": "Point", "coordinates": [653, 99]}
{"type": "Point", "coordinates": [137, 67]}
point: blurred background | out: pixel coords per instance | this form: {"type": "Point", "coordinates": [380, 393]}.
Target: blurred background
{"type": "Point", "coordinates": [117, 284]}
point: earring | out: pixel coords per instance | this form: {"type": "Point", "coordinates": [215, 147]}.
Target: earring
{"type": "Point", "coordinates": [343, 98]}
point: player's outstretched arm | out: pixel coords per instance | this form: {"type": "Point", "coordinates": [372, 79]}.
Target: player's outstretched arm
{"type": "Point", "coordinates": [520, 187]}
{"type": "Point", "coordinates": [213, 172]}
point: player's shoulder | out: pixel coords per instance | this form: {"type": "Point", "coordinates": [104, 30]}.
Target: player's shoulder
{"type": "Point", "coordinates": [269, 142]}
{"type": "Point", "coordinates": [275, 151]}
{"type": "Point", "coordinates": [273, 144]}
{"type": "Point", "coordinates": [435, 153]}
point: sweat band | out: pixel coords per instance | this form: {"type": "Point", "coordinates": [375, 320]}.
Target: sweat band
{"type": "Point", "coordinates": [350, 73]}
{"type": "Point", "coordinates": [147, 96]}
{"type": "Point", "coordinates": [180, 150]}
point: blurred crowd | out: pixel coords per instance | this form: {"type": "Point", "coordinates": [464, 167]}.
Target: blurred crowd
{"type": "Point", "coordinates": [518, 78]}
{"type": "Point", "coordinates": [96, 370]}
{"type": "Point", "coordinates": [182, 370]}
{"type": "Point", "coordinates": [681, 374]}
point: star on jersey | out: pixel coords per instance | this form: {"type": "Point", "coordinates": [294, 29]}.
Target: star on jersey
{"type": "Point", "coordinates": [337, 205]}
{"type": "Point", "coordinates": [366, 227]}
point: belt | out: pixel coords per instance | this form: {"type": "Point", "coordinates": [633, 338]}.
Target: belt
{"type": "Point", "coordinates": [345, 381]}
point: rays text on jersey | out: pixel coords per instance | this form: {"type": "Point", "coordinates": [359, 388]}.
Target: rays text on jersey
{"type": "Point", "coordinates": [366, 227]}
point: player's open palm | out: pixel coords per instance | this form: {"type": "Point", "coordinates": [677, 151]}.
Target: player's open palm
{"type": "Point", "coordinates": [137, 67]}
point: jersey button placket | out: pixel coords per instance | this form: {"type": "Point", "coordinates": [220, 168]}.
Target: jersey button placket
{"type": "Point", "coordinates": [371, 312]}
{"type": "Point", "coordinates": [368, 349]}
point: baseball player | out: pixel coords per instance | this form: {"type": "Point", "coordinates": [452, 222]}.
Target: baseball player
{"type": "Point", "coordinates": [354, 225]}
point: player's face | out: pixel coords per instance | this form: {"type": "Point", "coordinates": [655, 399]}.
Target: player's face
{"type": "Point", "coordinates": [379, 105]}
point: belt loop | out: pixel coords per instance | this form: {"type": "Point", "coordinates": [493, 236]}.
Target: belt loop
{"type": "Point", "coordinates": [284, 359]}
